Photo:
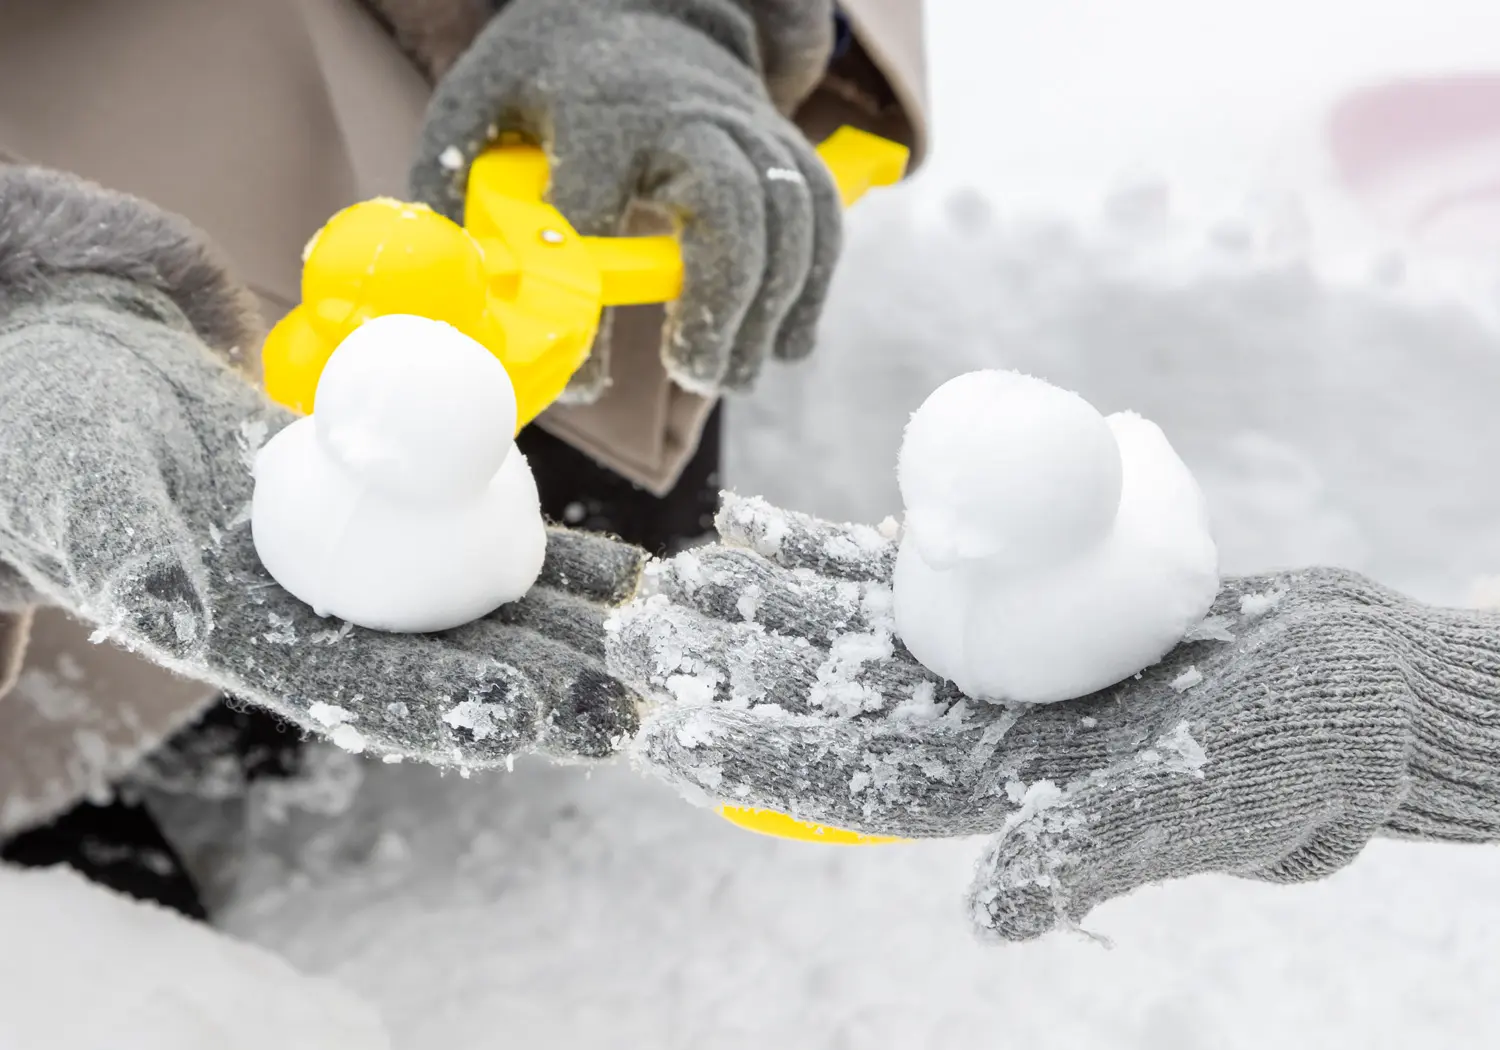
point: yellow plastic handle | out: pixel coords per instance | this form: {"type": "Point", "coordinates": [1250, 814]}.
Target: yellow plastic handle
{"type": "Point", "coordinates": [515, 276]}
{"type": "Point", "coordinates": [640, 270]}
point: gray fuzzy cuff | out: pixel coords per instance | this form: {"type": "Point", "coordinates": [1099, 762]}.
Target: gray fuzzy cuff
{"type": "Point", "coordinates": [54, 226]}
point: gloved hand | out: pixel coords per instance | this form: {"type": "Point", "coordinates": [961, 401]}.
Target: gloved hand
{"type": "Point", "coordinates": [1317, 711]}
{"type": "Point", "coordinates": [125, 449]}
{"type": "Point", "coordinates": [673, 102]}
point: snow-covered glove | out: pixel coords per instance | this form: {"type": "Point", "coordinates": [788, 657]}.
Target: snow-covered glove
{"type": "Point", "coordinates": [1312, 711]}
{"type": "Point", "coordinates": [126, 439]}
{"type": "Point", "coordinates": [678, 103]}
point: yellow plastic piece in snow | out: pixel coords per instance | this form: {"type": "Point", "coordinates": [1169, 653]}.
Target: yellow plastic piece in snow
{"type": "Point", "coordinates": [769, 822]}
{"type": "Point", "coordinates": [516, 276]}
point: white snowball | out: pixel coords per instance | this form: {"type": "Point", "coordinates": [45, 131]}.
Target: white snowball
{"type": "Point", "coordinates": [402, 504]}
{"type": "Point", "coordinates": [1001, 465]}
{"type": "Point", "coordinates": [1113, 588]}
{"type": "Point", "coordinates": [416, 407]}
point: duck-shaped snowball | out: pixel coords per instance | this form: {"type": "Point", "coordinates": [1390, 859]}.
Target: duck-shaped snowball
{"type": "Point", "coordinates": [402, 503]}
{"type": "Point", "coordinates": [1048, 551]}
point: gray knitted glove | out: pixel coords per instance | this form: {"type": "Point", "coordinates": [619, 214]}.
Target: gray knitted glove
{"type": "Point", "coordinates": [125, 451]}
{"type": "Point", "coordinates": [1316, 711]}
{"type": "Point", "coordinates": [672, 102]}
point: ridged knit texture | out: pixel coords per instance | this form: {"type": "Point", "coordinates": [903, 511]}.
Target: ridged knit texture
{"type": "Point", "coordinates": [678, 104]}
{"type": "Point", "coordinates": [126, 452]}
{"type": "Point", "coordinates": [1315, 711]}
{"type": "Point", "coordinates": [795, 37]}
{"type": "Point", "coordinates": [1451, 660]}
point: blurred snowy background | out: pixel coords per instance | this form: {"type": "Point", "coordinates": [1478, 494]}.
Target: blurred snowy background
{"type": "Point", "coordinates": [1120, 200]}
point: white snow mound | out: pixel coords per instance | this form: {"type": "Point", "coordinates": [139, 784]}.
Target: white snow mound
{"type": "Point", "coordinates": [84, 968]}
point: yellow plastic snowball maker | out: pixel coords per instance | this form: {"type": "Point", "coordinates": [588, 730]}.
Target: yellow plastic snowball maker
{"type": "Point", "coordinates": [519, 279]}
{"type": "Point", "coordinates": [515, 276]}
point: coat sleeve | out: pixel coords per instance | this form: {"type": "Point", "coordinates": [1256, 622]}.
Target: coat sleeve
{"type": "Point", "coordinates": [877, 80]}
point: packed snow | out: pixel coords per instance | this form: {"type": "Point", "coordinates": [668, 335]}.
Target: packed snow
{"type": "Point", "coordinates": [1088, 217]}
{"type": "Point", "coordinates": [1048, 552]}
{"type": "Point", "coordinates": [85, 968]}
{"type": "Point", "coordinates": [1006, 469]}
{"type": "Point", "coordinates": [396, 505]}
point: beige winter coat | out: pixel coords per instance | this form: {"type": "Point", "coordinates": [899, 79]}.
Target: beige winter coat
{"type": "Point", "coordinates": [257, 120]}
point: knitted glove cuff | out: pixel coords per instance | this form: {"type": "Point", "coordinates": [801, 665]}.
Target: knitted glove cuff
{"type": "Point", "coordinates": [789, 42]}
{"type": "Point", "coordinates": [794, 39]}
{"type": "Point", "coordinates": [1452, 660]}
{"type": "Point", "coordinates": [55, 226]}
{"type": "Point", "coordinates": [796, 43]}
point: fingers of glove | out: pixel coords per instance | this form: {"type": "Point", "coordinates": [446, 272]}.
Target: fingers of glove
{"type": "Point", "coordinates": [799, 329]}
{"type": "Point", "coordinates": [592, 717]}
{"type": "Point", "coordinates": [575, 622]}
{"type": "Point", "coordinates": [231, 417]}
{"type": "Point", "coordinates": [581, 710]}
{"type": "Point", "coordinates": [1068, 850]}
{"type": "Point", "coordinates": [789, 239]}
{"type": "Point", "coordinates": [671, 650]}
{"type": "Point", "coordinates": [596, 165]}
{"type": "Point", "coordinates": [393, 692]}
{"type": "Point", "coordinates": [799, 541]}
{"type": "Point", "coordinates": [85, 400]}
{"type": "Point", "coordinates": [520, 688]}
{"type": "Point", "coordinates": [1039, 876]}
{"type": "Point", "coordinates": [734, 584]}
{"type": "Point", "coordinates": [97, 528]}
{"type": "Point", "coordinates": [470, 697]}
{"type": "Point", "coordinates": [213, 480]}
{"type": "Point", "coordinates": [1128, 814]}
{"type": "Point", "coordinates": [108, 536]}
{"type": "Point", "coordinates": [700, 171]}
{"type": "Point", "coordinates": [492, 86]}
{"type": "Point", "coordinates": [154, 603]}
{"type": "Point", "coordinates": [875, 777]}
{"type": "Point", "coordinates": [592, 566]}
{"type": "Point", "coordinates": [411, 696]}
{"type": "Point", "coordinates": [668, 650]}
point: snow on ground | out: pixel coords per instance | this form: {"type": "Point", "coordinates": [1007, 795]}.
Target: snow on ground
{"type": "Point", "coordinates": [548, 910]}
{"type": "Point", "coordinates": [1340, 413]}
{"type": "Point", "coordinates": [102, 970]}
